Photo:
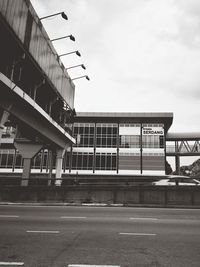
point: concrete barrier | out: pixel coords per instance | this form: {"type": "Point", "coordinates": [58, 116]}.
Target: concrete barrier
{"type": "Point", "coordinates": [165, 196]}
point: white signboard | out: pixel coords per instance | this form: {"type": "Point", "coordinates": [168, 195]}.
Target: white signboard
{"type": "Point", "coordinates": [129, 130]}
{"type": "Point", "coordinates": [152, 131]}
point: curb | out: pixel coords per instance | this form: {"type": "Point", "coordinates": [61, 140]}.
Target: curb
{"type": "Point", "coordinates": [51, 204]}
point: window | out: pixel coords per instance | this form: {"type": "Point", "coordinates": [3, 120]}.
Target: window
{"type": "Point", "coordinates": [7, 158]}
{"type": "Point", "coordinates": [106, 161]}
{"type": "Point", "coordinates": [151, 141]}
{"type": "Point", "coordinates": [129, 141]}
{"type": "Point", "coordinates": [106, 135]}
{"type": "Point", "coordinates": [82, 161]}
{"type": "Point", "coordinates": [84, 134]}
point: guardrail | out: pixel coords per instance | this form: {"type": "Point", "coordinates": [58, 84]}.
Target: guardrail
{"type": "Point", "coordinates": [74, 180]}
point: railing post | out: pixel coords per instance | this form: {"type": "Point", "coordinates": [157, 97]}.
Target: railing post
{"type": "Point", "coordinates": [177, 159]}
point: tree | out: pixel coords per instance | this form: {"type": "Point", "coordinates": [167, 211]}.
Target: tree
{"type": "Point", "coordinates": [168, 168]}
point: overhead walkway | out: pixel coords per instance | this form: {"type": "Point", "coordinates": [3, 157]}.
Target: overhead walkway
{"type": "Point", "coordinates": [182, 144]}
{"type": "Point", "coordinates": [36, 92]}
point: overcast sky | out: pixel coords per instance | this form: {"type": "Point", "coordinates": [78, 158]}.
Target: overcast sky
{"type": "Point", "coordinates": [141, 55]}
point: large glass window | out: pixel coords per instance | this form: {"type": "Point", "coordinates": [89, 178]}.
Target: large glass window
{"type": "Point", "coordinates": [106, 161]}
{"type": "Point", "coordinates": [151, 141]}
{"type": "Point", "coordinates": [129, 141]}
{"type": "Point", "coordinates": [36, 161]}
{"type": "Point", "coordinates": [82, 161]}
{"type": "Point", "coordinates": [153, 136]}
{"type": "Point", "coordinates": [129, 135]}
{"type": "Point", "coordinates": [106, 135]}
{"type": "Point", "coordinates": [18, 161]}
{"type": "Point", "coordinates": [7, 158]}
{"type": "Point", "coordinates": [84, 134]}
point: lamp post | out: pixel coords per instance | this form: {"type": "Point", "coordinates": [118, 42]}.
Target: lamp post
{"type": "Point", "coordinates": [84, 76]}
{"type": "Point", "coordinates": [76, 52]}
{"type": "Point", "coordinates": [63, 15]}
{"type": "Point", "coordinates": [80, 65]}
{"type": "Point", "coordinates": [71, 37]}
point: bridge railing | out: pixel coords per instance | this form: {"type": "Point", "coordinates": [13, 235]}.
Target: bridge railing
{"type": "Point", "coordinates": [184, 147]}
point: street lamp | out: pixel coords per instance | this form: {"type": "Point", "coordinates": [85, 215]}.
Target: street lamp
{"type": "Point", "coordinates": [81, 77]}
{"type": "Point", "coordinates": [76, 52]}
{"type": "Point", "coordinates": [63, 15]}
{"type": "Point", "coordinates": [80, 65]}
{"type": "Point", "coordinates": [71, 37]}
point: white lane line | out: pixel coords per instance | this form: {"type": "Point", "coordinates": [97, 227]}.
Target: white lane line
{"type": "Point", "coordinates": [9, 216]}
{"type": "Point", "coordinates": [43, 232]}
{"type": "Point", "coordinates": [72, 217]}
{"type": "Point", "coordinates": [138, 234]}
{"type": "Point", "coordinates": [145, 218]}
{"type": "Point", "coordinates": [86, 265]}
{"type": "Point", "coordinates": [4, 263]}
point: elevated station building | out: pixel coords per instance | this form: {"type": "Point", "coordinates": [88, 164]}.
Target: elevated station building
{"type": "Point", "coordinates": [128, 143]}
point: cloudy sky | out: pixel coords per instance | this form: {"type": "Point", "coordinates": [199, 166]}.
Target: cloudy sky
{"type": "Point", "coordinates": [141, 55]}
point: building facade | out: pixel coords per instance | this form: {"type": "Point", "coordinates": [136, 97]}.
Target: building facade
{"type": "Point", "coordinates": [124, 143]}
{"type": "Point", "coordinates": [110, 143]}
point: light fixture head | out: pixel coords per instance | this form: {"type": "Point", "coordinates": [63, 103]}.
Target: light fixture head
{"type": "Point", "coordinates": [72, 37]}
{"type": "Point", "coordinates": [83, 66]}
{"type": "Point", "coordinates": [64, 16]}
{"type": "Point", "coordinates": [78, 53]}
{"type": "Point", "coordinates": [84, 76]}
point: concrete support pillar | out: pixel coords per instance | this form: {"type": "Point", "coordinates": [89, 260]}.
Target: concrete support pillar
{"type": "Point", "coordinates": [177, 160]}
{"type": "Point", "coordinates": [59, 161]}
{"type": "Point", "coordinates": [50, 164]}
{"type": "Point", "coordinates": [28, 150]}
{"type": "Point", "coordinates": [26, 171]}
{"type": "Point", "coordinates": [3, 118]}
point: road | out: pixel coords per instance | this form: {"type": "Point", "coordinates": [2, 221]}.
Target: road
{"type": "Point", "coordinates": [64, 236]}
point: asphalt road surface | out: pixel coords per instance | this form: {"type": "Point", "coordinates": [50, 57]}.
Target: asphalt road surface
{"type": "Point", "coordinates": [39, 236]}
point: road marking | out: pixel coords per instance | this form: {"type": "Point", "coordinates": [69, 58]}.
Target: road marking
{"type": "Point", "coordinates": [86, 265]}
{"type": "Point", "coordinates": [138, 234]}
{"type": "Point", "coordinates": [151, 219]}
{"type": "Point", "coordinates": [43, 232]}
{"type": "Point", "coordinates": [72, 217]}
{"type": "Point", "coordinates": [9, 216]}
{"type": "Point", "coordinates": [4, 263]}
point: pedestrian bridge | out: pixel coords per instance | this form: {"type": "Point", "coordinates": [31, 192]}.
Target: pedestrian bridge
{"type": "Point", "coordinates": [182, 144]}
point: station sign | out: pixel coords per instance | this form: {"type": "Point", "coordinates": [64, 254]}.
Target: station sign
{"type": "Point", "coordinates": [152, 131]}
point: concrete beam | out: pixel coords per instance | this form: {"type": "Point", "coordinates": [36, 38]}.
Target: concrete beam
{"type": "Point", "coordinates": [35, 119]}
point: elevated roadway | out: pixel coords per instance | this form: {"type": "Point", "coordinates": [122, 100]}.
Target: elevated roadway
{"type": "Point", "coordinates": [36, 92]}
